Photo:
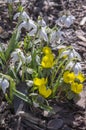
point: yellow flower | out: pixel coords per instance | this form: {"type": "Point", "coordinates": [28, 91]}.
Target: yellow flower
{"type": "Point", "coordinates": [76, 88]}
{"type": "Point", "coordinates": [48, 61]}
{"type": "Point", "coordinates": [47, 50]}
{"type": "Point", "coordinates": [81, 77]}
{"type": "Point", "coordinates": [39, 81]}
{"type": "Point", "coordinates": [44, 92]}
{"type": "Point", "coordinates": [68, 77]}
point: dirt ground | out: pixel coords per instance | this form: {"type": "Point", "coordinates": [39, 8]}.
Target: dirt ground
{"type": "Point", "coordinates": [69, 116]}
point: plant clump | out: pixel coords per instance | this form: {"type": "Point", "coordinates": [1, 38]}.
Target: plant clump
{"type": "Point", "coordinates": [49, 69]}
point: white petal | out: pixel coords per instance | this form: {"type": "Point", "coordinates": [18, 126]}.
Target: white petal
{"type": "Point", "coordinates": [16, 16]}
{"type": "Point", "coordinates": [28, 59]}
{"type": "Point", "coordinates": [23, 25]}
{"type": "Point", "coordinates": [77, 68]}
{"type": "Point", "coordinates": [42, 23]}
{"type": "Point", "coordinates": [29, 83]}
{"type": "Point", "coordinates": [4, 85]}
{"type": "Point", "coordinates": [43, 34]}
{"type": "Point", "coordinates": [70, 65]}
{"type": "Point", "coordinates": [38, 59]}
{"type": "Point", "coordinates": [74, 54]}
{"type": "Point", "coordinates": [53, 36]}
{"type": "Point", "coordinates": [65, 53]}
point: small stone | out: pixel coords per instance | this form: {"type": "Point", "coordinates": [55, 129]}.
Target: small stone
{"type": "Point", "coordinates": [55, 124]}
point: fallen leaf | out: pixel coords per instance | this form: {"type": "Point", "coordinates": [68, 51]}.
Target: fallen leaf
{"type": "Point", "coordinates": [83, 21]}
{"type": "Point", "coordinates": [80, 35]}
{"type": "Point", "coordinates": [82, 43]}
{"type": "Point", "coordinates": [55, 124]}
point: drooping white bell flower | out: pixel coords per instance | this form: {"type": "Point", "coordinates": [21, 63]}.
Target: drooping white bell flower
{"type": "Point", "coordinates": [23, 16]}
{"type": "Point", "coordinates": [74, 54]}
{"type": "Point", "coordinates": [42, 34]}
{"type": "Point", "coordinates": [56, 37]}
{"type": "Point", "coordinates": [41, 22]}
{"type": "Point", "coordinates": [18, 55]}
{"type": "Point", "coordinates": [29, 26]}
{"type": "Point", "coordinates": [66, 21]}
{"type": "Point", "coordinates": [4, 84]}
{"type": "Point", "coordinates": [71, 54]}
{"type": "Point", "coordinates": [76, 67]}
{"type": "Point", "coordinates": [69, 21]}
{"type": "Point", "coordinates": [29, 83]}
{"type": "Point", "coordinates": [28, 59]}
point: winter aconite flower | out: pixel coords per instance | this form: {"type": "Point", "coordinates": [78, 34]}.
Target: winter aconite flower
{"type": "Point", "coordinates": [80, 77]}
{"type": "Point", "coordinates": [68, 77]}
{"type": "Point", "coordinates": [44, 91]}
{"type": "Point", "coordinates": [40, 81]}
{"type": "Point", "coordinates": [76, 88]}
{"type": "Point", "coordinates": [48, 61]}
{"type": "Point", "coordinates": [47, 50]}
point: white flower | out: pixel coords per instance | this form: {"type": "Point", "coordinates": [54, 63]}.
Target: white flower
{"type": "Point", "coordinates": [43, 34]}
{"type": "Point", "coordinates": [18, 55]}
{"type": "Point", "coordinates": [69, 21]}
{"type": "Point", "coordinates": [74, 54]}
{"type": "Point", "coordinates": [76, 67]}
{"type": "Point", "coordinates": [41, 22]}
{"type": "Point", "coordinates": [29, 83]}
{"type": "Point", "coordinates": [71, 54]}
{"type": "Point", "coordinates": [28, 59]}
{"type": "Point", "coordinates": [4, 84]}
{"type": "Point", "coordinates": [23, 15]}
{"type": "Point", "coordinates": [65, 21]}
{"type": "Point", "coordinates": [38, 59]}
{"type": "Point", "coordinates": [29, 71]}
{"type": "Point", "coordinates": [53, 36]}
{"type": "Point", "coordinates": [29, 26]}
{"type": "Point", "coordinates": [56, 36]}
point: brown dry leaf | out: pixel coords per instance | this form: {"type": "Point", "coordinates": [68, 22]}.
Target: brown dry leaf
{"type": "Point", "coordinates": [83, 21]}
{"type": "Point", "coordinates": [82, 101]}
{"type": "Point", "coordinates": [80, 35]}
{"type": "Point", "coordinates": [82, 43]}
{"type": "Point", "coordinates": [1, 30]}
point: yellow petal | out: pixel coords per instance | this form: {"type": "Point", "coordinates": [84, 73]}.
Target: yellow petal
{"type": "Point", "coordinates": [77, 88]}
{"type": "Point", "coordinates": [44, 92]}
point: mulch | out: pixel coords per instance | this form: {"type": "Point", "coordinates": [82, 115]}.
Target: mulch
{"type": "Point", "coordinates": [68, 115]}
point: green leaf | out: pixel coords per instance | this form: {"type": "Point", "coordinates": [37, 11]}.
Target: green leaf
{"type": "Point", "coordinates": [12, 44]}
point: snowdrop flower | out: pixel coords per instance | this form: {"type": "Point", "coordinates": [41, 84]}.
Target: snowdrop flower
{"type": "Point", "coordinates": [41, 22]}
{"type": "Point", "coordinates": [56, 36]}
{"type": "Point", "coordinates": [42, 34]}
{"type": "Point", "coordinates": [4, 84]}
{"type": "Point", "coordinates": [69, 21]}
{"type": "Point", "coordinates": [71, 54]}
{"type": "Point", "coordinates": [29, 83]}
{"type": "Point", "coordinates": [65, 21]}
{"type": "Point", "coordinates": [74, 54]}
{"type": "Point", "coordinates": [28, 59]}
{"type": "Point", "coordinates": [18, 55]}
{"type": "Point", "coordinates": [38, 59]}
{"type": "Point", "coordinates": [23, 15]}
{"type": "Point", "coordinates": [29, 26]}
{"type": "Point", "coordinates": [76, 67]}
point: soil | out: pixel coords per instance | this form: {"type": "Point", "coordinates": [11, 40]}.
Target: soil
{"type": "Point", "coordinates": [68, 115]}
